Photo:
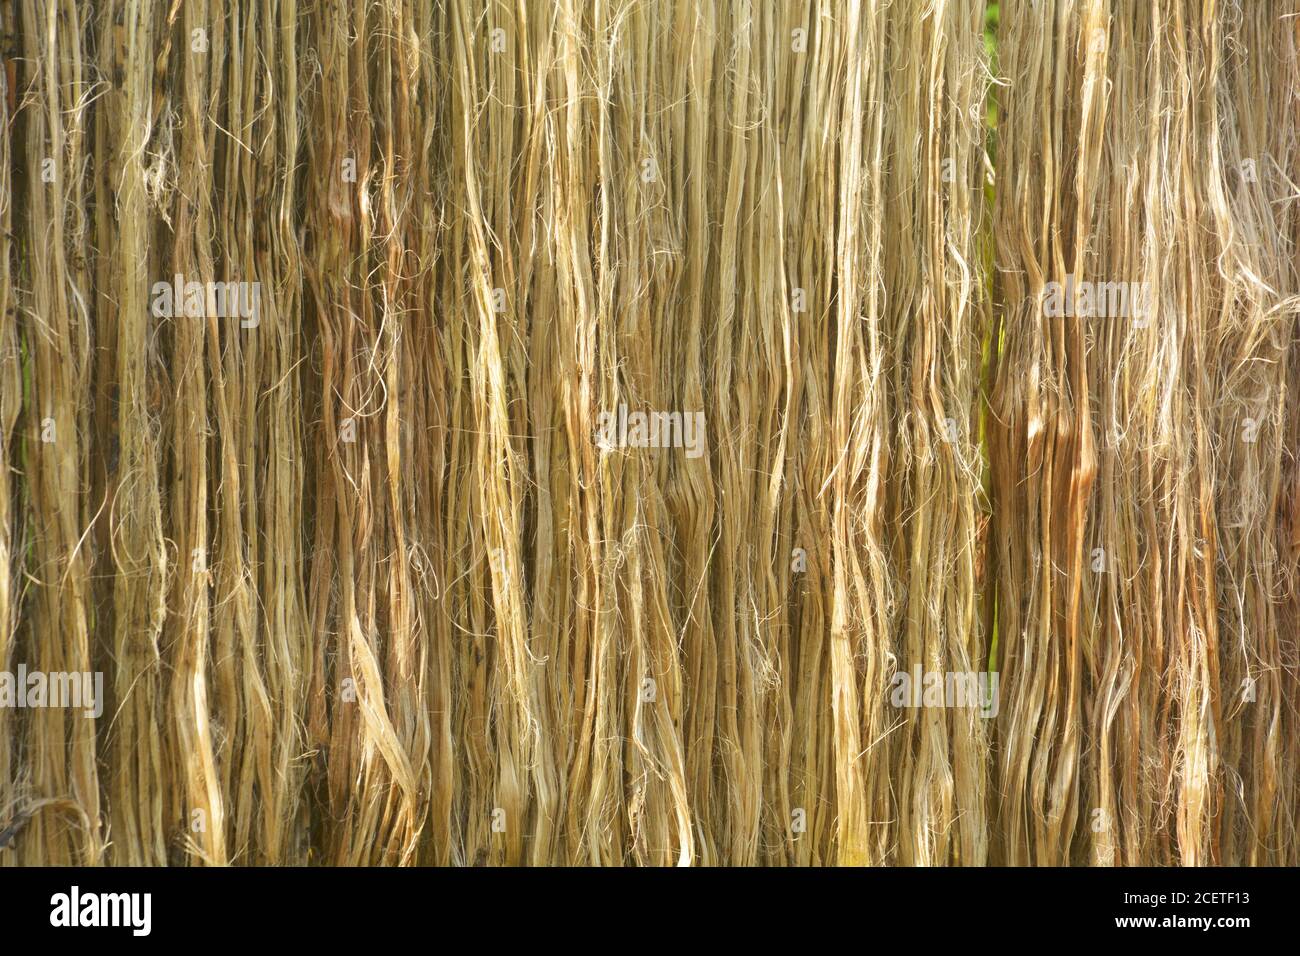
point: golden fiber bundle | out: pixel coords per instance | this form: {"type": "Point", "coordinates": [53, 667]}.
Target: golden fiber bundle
{"type": "Point", "coordinates": [715, 432]}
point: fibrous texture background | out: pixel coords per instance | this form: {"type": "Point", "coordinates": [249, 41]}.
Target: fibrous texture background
{"type": "Point", "coordinates": [369, 584]}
